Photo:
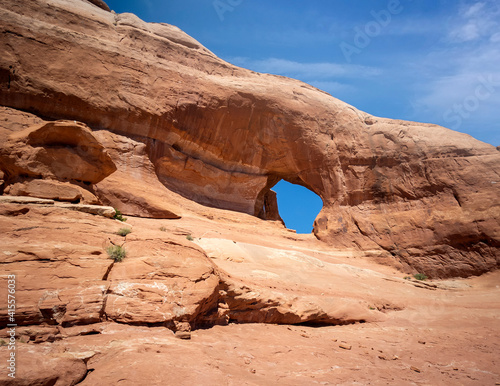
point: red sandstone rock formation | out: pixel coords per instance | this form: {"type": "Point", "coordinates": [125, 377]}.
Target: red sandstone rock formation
{"type": "Point", "coordinates": [223, 136]}
{"type": "Point", "coordinates": [104, 108]}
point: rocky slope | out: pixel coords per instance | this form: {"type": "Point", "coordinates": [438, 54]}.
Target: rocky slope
{"type": "Point", "coordinates": [252, 303]}
{"type": "Point", "coordinates": [100, 110]}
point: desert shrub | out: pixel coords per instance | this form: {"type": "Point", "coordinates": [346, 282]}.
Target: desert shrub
{"type": "Point", "coordinates": [189, 237]}
{"type": "Point", "coordinates": [116, 252]}
{"type": "Point", "coordinates": [124, 231]}
{"type": "Point", "coordinates": [163, 229]}
{"type": "Point", "coordinates": [119, 216]}
{"type": "Point", "coordinates": [420, 276]}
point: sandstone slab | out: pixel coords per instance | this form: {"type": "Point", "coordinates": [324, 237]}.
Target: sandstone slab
{"type": "Point", "coordinates": [283, 286]}
{"type": "Point", "coordinates": [105, 211]}
{"type": "Point", "coordinates": [25, 200]}
{"type": "Point", "coordinates": [55, 190]}
{"type": "Point", "coordinates": [64, 277]}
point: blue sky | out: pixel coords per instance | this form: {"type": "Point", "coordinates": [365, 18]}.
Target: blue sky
{"type": "Point", "coordinates": [434, 61]}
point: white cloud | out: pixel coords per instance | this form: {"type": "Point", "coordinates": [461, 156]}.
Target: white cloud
{"type": "Point", "coordinates": [306, 71]}
{"type": "Point", "coordinates": [472, 10]}
{"type": "Point", "coordinates": [334, 78]}
{"type": "Point", "coordinates": [334, 88]}
{"type": "Point", "coordinates": [468, 98]}
{"type": "Point", "coordinates": [479, 20]}
{"type": "Point", "coordinates": [460, 86]}
{"type": "Point", "coordinates": [465, 33]}
{"type": "Point", "coordinates": [495, 38]}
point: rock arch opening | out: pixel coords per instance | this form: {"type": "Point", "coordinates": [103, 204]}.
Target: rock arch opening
{"type": "Point", "coordinates": [298, 206]}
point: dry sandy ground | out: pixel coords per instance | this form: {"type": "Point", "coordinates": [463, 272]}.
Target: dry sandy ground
{"type": "Point", "coordinates": [436, 333]}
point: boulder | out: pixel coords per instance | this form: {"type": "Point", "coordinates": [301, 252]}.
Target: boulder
{"type": "Point", "coordinates": [61, 150]}
{"type": "Point", "coordinates": [35, 366]}
{"type": "Point", "coordinates": [153, 286]}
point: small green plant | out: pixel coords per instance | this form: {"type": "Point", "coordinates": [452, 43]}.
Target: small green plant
{"type": "Point", "coordinates": [372, 308]}
{"type": "Point", "coordinates": [116, 252]}
{"type": "Point", "coordinates": [124, 231]}
{"type": "Point", "coordinates": [163, 229]}
{"type": "Point", "coordinates": [420, 276]}
{"type": "Point", "coordinates": [407, 278]}
{"type": "Point", "coordinates": [3, 342]}
{"type": "Point", "coordinates": [119, 216]}
{"type": "Point", "coordinates": [189, 237]}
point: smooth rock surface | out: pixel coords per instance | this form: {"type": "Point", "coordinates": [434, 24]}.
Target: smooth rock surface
{"type": "Point", "coordinates": [247, 296]}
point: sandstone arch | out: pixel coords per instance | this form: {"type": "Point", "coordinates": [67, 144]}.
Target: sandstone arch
{"type": "Point", "coordinates": [421, 194]}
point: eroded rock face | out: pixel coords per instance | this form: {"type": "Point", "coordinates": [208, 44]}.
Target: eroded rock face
{"type": "Point", "coordinates": [169, 283]}
{"type": "Point", "coordinates": [134, 188]}
{"type": "Point", "coordinates": [223, 136]}
{"type": "Point", "coordinates": [61, 150]}
{"type": "Point", "coordinates": [65, 277]}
